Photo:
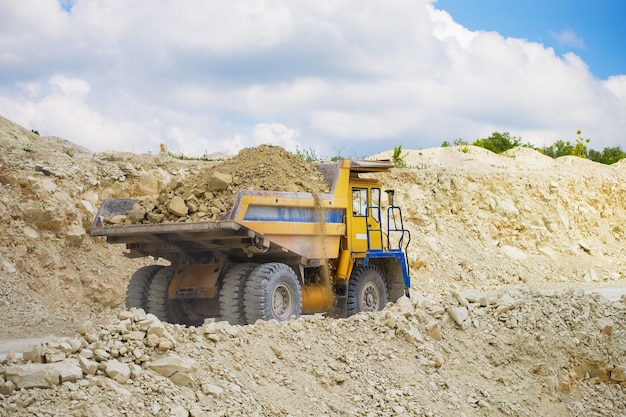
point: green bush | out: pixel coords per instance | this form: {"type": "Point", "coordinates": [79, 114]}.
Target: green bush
{"type": "Point", "coordinates": [398, 157]}
{"type": "Point", "coordinates": [608, 156]}
{"type": "Point", "coordinates": [498, 142]}
{"type": "Point", "coordinates": [307, 155]}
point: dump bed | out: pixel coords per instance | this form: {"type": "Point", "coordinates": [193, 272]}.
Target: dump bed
{"type": "Point", "coordinates": [281, 225]}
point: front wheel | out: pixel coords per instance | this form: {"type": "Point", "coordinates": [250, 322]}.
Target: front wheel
{"type": "Point", "coordinates": [272, 292]}
{"type": "Point", "coordinates": [367, 290]}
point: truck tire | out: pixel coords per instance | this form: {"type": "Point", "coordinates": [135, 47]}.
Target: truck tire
{"type": "Point", "coordinates": [158, 303]}
{"type": "Point", "coordinates": [231, 293]}
{"type": "Point", "coordinates": [367, 290]}
{"type": "Point", "coordinates": [272, 292]}
{"type": "Point", "coordinates": [137, 289]}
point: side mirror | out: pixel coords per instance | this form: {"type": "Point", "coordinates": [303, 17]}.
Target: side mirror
{"type": "Point", "coordinates": [390, 194]}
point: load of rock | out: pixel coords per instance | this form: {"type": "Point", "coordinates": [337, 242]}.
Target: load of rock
{"type": "Point", "coordinates": [209, 194]}
{"type": "Point", "coordinates": [541, 353]}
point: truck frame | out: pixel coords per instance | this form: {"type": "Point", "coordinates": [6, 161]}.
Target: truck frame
{"type": "Point", "coordinates": [274, 255]}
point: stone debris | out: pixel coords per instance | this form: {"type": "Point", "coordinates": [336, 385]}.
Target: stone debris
{"type": "Point", "coordinates": [104, 351]}
{"type": "Point", "coordinates": [315, 358]}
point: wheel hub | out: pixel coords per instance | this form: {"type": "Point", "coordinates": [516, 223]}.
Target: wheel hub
{"type": "Point", "coordinates": [370, 298]}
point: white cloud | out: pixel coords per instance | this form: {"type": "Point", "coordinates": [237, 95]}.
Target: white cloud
{"type": "Point", "coordinates": [339, 76]}
{"type": "Point", "coordinates": [569, 38]}
{"type": "Point", "coordinates": [275, 134]}
{"type": "Point", "coordinates": [73, 87]}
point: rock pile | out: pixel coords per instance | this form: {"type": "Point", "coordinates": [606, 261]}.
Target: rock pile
{"type": "Point", "coordinates": [517, 218]}
{"type": "Point", "coordinates": [209, 194]}
{"type": "Point", "coordinates": [540, 352]}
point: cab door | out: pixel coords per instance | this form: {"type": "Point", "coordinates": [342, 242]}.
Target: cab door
{"type": "Point", "coordinates": [364, 219]}
{"type": "Point", "coordinates": [374, 219]}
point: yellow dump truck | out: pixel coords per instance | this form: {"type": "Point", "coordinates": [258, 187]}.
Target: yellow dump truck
{"type": "Point", "coordinates": [274, 255]}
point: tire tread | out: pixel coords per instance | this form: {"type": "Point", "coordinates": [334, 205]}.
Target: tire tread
{"type": "Point", "coordinates": [231, 293]}
{"type": "Point", "coordinates": [138, 286]}
{"type": "Point", "coordinates": [157, 294]}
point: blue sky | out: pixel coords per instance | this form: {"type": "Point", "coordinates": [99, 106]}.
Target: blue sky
{"type": "Point", "coordinates": [593, 29]}
{"type": "Point", "coordinates": [344, 78]}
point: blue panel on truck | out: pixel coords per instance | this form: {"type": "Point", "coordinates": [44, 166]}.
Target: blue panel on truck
{"type": "Point", "coordinates": [292, 214]}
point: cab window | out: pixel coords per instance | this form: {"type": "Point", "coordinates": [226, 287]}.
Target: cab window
{"type": "Point", "coordinates": [359, 201]}
{"type": "Point", "coordinates": [376, 203]}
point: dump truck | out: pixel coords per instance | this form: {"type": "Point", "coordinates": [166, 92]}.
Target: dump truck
{"type": "Point", "coordinates": [274, 255]}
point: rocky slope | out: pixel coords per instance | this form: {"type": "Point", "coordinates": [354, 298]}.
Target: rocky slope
{"type": "Point", "coordinates": [500, 323]}
{"type": "Point", "coordinates": [485, 220]}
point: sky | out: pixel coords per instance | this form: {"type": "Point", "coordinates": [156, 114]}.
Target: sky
{"type": "Point", "coordinates": [347, 78]}
{"type": "Point", "coordinates": [592, 29]}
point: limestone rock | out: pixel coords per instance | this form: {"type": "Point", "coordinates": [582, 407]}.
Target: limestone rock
{"type": "Point", "coordinates": [117, 370]}
{"type": "Point", "coordinates": [33, 375]}
{"type": "Point", "coordinates": [137, 214]}
{"type": "Point", "coordinates": [155, 217]}
{"type": "Point", "coordinates": [152, 340]}
{"type": "Point", "coordinates": [475, 296]}
{"type": "Point", "coordinates": [7, 388]}
{"type": "Point", "coordinates": [219, 181]}
{"type": "Point", "coordinates": [460, 315]}
{"type": "Point", "coordinates": [413, 335]}
{"type": "Point", "coordinates": [178, 369]}
{"type": "Point", "coordinates": [156, 328]}
{"type": "Point", "coordinates": [138, 314]}
{"type": "Point", "coordinates": [460, 298]}
{"type": "Point", "coordinates": [54, 356]}
{"type": "Point", "coordinates": [177, 207]}
{"type": "Point", "coordinates": [101, 355]}
{"type": "Point", "coordinates": [147, 184]}
{"type": "Point", "coordinates": [404, 306]}
{"type": "Point", "coordinates": [69, 370]}
{"type": "Point", "coordinates": [116, 220]}
{"type": "Point", "coordinates": [211, 389]}
{"type": "Point", "coordinates": [88, 366]}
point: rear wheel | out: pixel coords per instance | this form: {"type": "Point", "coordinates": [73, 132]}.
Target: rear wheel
{"type": "Point", "coordinates": [158, 303]}
{"type": "Point", "coordinates": [137, 290]}
{"type": "Point", "coordinates": [231, 293]}
{"type": "Point", "coordinates": [367, 290]}
{"type": "Point", "coordinates": [272, 292]}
